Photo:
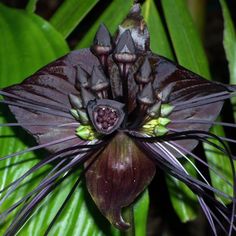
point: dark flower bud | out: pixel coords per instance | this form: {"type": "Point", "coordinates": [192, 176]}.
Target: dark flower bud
{"type": "Point", "coordinates": [165, 93]}
{"type": "Point", "coordinates": [82, 78]}
{"type": "Point", "coordinates": [147, 95]}
{"type": "Point", "coordinates": [98, 80]}
{"type": "Point", "coordinates": [106, 115]}
{"type": "Point", "coordinates": [155, 110]}
{"type": "Point", "coordinates": [143, 75]}
{"type": "Point", "coordinates": [75, 101]}
{"type": "Point", "coordinates": [86, 96]}
{"type": "Point", "coordinates": [125, 51]}
{"type": "Point", "coordinates": [102, 43]}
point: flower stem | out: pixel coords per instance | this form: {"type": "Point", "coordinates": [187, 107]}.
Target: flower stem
{"type": "Point", "coordinates": [129, 217]}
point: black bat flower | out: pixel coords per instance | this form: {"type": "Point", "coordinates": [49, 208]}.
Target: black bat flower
{"type": "Point", "coordinates": [122, 111]}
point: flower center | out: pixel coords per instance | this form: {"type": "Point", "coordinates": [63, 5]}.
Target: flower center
{"type": "Point", "coordinates": [106, 117]}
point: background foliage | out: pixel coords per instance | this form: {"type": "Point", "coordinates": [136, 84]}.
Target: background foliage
{"type": "Point", "coordinates": [29, 41]}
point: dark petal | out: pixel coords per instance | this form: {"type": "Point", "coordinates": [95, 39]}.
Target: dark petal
{"type": "Point", "coordinates": [144, 73]}
{"type": "Point", "coordinates": [51, 87]}
{"type": "Point", "coordinates": [115, 79]}
{"type": "Point", "coordinates": [147, 96]}
{"type": "Point", "coordinates": [135, 23]}
{"type": "Point", "coordinates": [132, 91]}
{"type": "Point", "coordinates": [86, 96]}
{"type": "Point", "coordinates": [81, 78]}
{"type": "Point", "coordinates": [185, 85]}
{"type": "Point", "coordinates": [98, 80]}
{"type": "Point", "coordinates": [118, 176]}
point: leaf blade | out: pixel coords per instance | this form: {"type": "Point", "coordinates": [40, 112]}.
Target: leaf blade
{"type": "Point", "coordinates": [119, 8]}
{"type": "Point", "coordinates": [70, 14]}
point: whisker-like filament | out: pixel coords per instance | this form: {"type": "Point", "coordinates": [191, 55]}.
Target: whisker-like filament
{"type": "Point", "coordinates": [186, 135]}
{"type": "Point", "coordinates": [203, 162]}
{"type": "Point", "coordinates": [49, 180]}
{"type": "Point", "coordinates": [200, 183]}
{"type": "Point", "coordinates": [58, 107]}
{"type": "Point", "coordinates": [183, 155]}
{"type": "Point", "coordinates": [207, 122]}
{"type": "Point", "coordinates": [38, 108]}
{"type": "Point", "coordinates": [71, 193]}
{"type": "Point", "coordinates": [71, 124]}
{"type": "Point", "coordinates": [212, 98]}
{"type": "Point", "coordinates": [4, 214]}
{"type": "Point", "coordinates": [40, 146]}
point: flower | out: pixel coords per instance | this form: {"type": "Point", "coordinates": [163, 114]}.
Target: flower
{"type": "Point", "coordinates": [120, 110]}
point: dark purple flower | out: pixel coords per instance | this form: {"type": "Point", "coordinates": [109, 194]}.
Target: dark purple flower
{"type": "Point", "coordinates": [120, 110]}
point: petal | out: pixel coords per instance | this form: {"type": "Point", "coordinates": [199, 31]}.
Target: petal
{"type": "Point", "coordinates": [187, 86]}
{"type": "Point", "coordinates": [118, 176]}
{"type": "Point", "coordinates": [49, 88]}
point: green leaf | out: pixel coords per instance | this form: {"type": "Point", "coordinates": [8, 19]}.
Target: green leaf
{"type": "Point", "coordinates": [229, 41]}
{"type": "Point", "coordinates": [159, 41]}
{"type": "Point", "coordinates": [28, 43]}
{"type": "Point", "coordinates": [190, 53]}
{"type": "Point", "coordinates": [31, 5]}
{"type": "Point", "coordinates": [141, 207]}
{"type": "Point", "coordinates": [111, 17]}
{"type": "Point", "coordinates": [183, 199]}
{"type": "Point", "coordinates": [185, 38]}
{"type": "Point", "coordinates": [230, 47]}
{"type": "Point", "coordinates": [70, 14]}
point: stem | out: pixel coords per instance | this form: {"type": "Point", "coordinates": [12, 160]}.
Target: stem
{"type": "Point", "coordinates": [129, 217]}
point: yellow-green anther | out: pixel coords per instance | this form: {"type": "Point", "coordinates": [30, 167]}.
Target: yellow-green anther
{"type": "Point", "coordinates": [86, 132]}
{"type": "Point", "coordinates": [83, 117]}
{"type": "Point", "coordinates": [160, 130]}
{"type": "Point", "coordinates": [151, 124]}
{"type": "Point", "coordinates": [156, 127]}
{"type": "Point", "coordinates": [163, 121]}
{"type": "Point", "coordinates": [166, 109]}
{"type": "Point", "coordinates": [74, 113]}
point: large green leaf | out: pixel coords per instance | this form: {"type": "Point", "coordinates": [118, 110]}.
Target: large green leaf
{"type": "Point", "coordinates": [111, 17]}
{"type": "Point", "coordinates": [229, 41]}
{"type": "Point", "coordinates": [27, 43]}
{"type": "Point", "coordinates": [141, 207]}
{"type": "Point", "coordinates": [31, 5]}
{"type": "Point", "coordinates": [230, 46]}
{"type": "Point", "coordinates": [70, 14]}
{"type": "Point", "coordinates": [190, 53]}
